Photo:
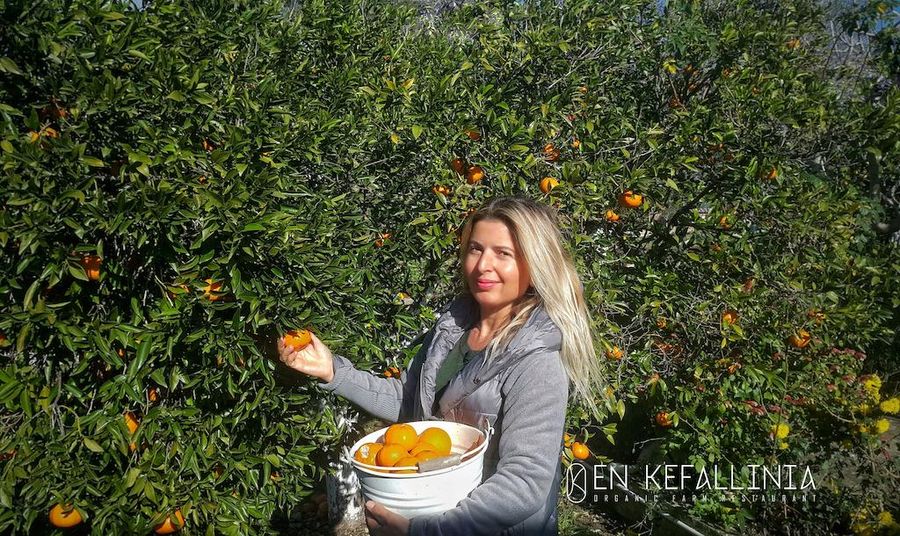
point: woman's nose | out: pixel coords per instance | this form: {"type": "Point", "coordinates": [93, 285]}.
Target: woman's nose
{"type": "Point", "coordinates": [485, 262]}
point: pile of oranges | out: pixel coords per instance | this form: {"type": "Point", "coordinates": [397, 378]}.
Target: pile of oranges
{"type": "Point", "coordinates": [401, 446]}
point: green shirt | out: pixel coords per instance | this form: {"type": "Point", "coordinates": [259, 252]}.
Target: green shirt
{"type": "Point", "coordinates": [459, 356]}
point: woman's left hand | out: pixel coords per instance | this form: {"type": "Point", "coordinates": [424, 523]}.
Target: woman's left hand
{"type": "Point", "coordinates": [383, 522]}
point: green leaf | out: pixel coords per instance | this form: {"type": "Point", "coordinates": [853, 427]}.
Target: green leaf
{"type": "Point", "coordinates": [9, 66]}
{"type": "Point", "coordinates": [6, 146]}
{"type": "Point", "coordinates": [92, 445]}
{"type": "Point", "coordinates": [416, 131]}
{"type": "Point", "coordinates": [138, 54]}
{"type": "Point", "coordinates": [93, 162]}
{"type": "Point", "coordinates": [176, 96]}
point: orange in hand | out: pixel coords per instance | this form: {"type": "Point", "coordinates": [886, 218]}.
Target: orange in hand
{"type": "Point", "coordinates": [297, 339]}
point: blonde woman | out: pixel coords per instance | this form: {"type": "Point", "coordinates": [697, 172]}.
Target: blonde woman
{"type": "Point", "coordinates": [503, 354]}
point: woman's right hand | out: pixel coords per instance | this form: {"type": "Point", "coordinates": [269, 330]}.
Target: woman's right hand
{"type": "Point", "coordinates": [314, 359]}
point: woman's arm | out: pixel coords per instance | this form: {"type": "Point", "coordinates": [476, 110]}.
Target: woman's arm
{"type": "Point", "coordinates": [384, 398]}
{"type": "Point", "coordinates": [536, 395]}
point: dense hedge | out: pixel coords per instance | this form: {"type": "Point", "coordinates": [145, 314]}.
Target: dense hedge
{"type": "Point", "coordinates": [182, 184]}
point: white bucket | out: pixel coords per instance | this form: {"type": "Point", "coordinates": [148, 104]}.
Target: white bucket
{"type": "Point", "coordinates": [416, 494]}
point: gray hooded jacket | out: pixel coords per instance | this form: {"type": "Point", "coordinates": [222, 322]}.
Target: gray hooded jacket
{"type": "Point", "coordinates": [522, 392]}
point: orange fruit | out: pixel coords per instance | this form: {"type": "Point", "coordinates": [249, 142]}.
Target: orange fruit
{"type": "Point", "coordinates": [473, 134]}
{"type": "Point", "coordinates": [170, 527]}
{"type": "Point", "coordinates": [576, 143]}
{"type": "Point", "coordinates": [772, 174]}
{"type": "Point", "coordinates": [440, 189]}
{"type": "Point", "coordinates": [380, 242]}
{"type": "Point", "coordinates": [131, 422]}
{"type": "Point", "coordinates": [438, 439]}
{"type": "Point", "coordinates": [729, 317]}
{"type": "Point", "coordinates": [663, 419]}
{"type": "Point", "coordinates": [580, 450]}
{"type": "Point", "coordinates": [91, 264]}
{"type": "Point", "coordinates": [548, 183]}
{"type": "Point", "coordinates": [297, 338]}
{"type": "Point", "coordinates": [458, 165]}
{"type": "Point", "coordinates": [64, 516]}
{"type": "Point", "coordinates": [401, 434]}
{"type": "Point", "coordinates": [551, 153]}
{"type": "Point", "coordinates": [152, 394]}
{"type": "Point", "coordinates": [407, 461]}
{"type": "Point", "coordinates": [799, 339]}
{"type": "Point", "coordinates": [209, 290]}
{"type": "Point", "coordinates": [615, 353]}
{"type": "Point", "coordinates": [367, 452]}
{"type": "Point", "coordinates": [426, 455]}
{"type": "Point", "coordinates": [724, 223]}
{"type": "Point", "coordinates": [390, 454]}
{"type": "Point", "coordinates": [474, 174]}
{"type": "Point", "coordinates": [630, 199]}
{"type": "Point", "coordinates": [611, 216]}
{"type": "Point", "coordinates": [208, 146]}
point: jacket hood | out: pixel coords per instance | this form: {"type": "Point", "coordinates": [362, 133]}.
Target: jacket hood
{"type": "Point", "coordinates": [539, 331]}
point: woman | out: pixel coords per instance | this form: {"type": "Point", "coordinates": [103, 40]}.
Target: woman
{"type": "Point", "coordinates": [501, 354]}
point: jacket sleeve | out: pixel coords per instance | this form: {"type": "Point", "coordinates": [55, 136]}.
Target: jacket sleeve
{"type": "Point", "coordinates": [384, 398]}
{"type": "Point", "coordinates": [535, 399]}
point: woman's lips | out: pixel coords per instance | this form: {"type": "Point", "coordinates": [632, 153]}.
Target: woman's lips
{"type": "Point", "coordinates": [484, 285]}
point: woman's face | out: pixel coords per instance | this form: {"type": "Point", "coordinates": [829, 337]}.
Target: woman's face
{"type": "Point", "coordinates": [494, 268]}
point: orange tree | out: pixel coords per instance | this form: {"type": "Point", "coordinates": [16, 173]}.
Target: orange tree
{"type": "Point", "coordinates": [184, 183]}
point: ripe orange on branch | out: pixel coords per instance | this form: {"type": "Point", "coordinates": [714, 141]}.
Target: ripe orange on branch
{"type": "Point", "coordinates": [729, 316]}
{"type": "Point", "coordinates": [548, 183]}
{"type": "Point", "coordinates": [91, 265]}
{"type": "Point", "coordinates": [551, 153]}
{"type": "Point", "coordinates": [611, 216]}
{"type": "Point", "coordinates": [298, 338]}
{"type": "Point", "coordinates": [615, 353]}
{"type": "Point", "coordinates": [64, 516]}
{"type": "Point", "coordinates": [799, 339]}
{"type": "Point", "coordinates": [630, 199]}
{"type": "Point", "coordinates": [169, 526]}
{"type": "Point", "coordinates": [458, 165]}
{"type": "Point", "coordinates": [580, 450]}
{"type": "Point", "coordinates": [474, 174]}
{"type": "Point", "coordinates": [664, 419]}
{"type": "Point", "coordinates": [210, 290]}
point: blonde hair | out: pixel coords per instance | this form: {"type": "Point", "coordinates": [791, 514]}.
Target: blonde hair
{"type": "Point", "coordinates": [555, 285]}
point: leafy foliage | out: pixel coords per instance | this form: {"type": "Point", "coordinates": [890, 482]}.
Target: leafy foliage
{"type": "Point", "coordinates": [244, 168]}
